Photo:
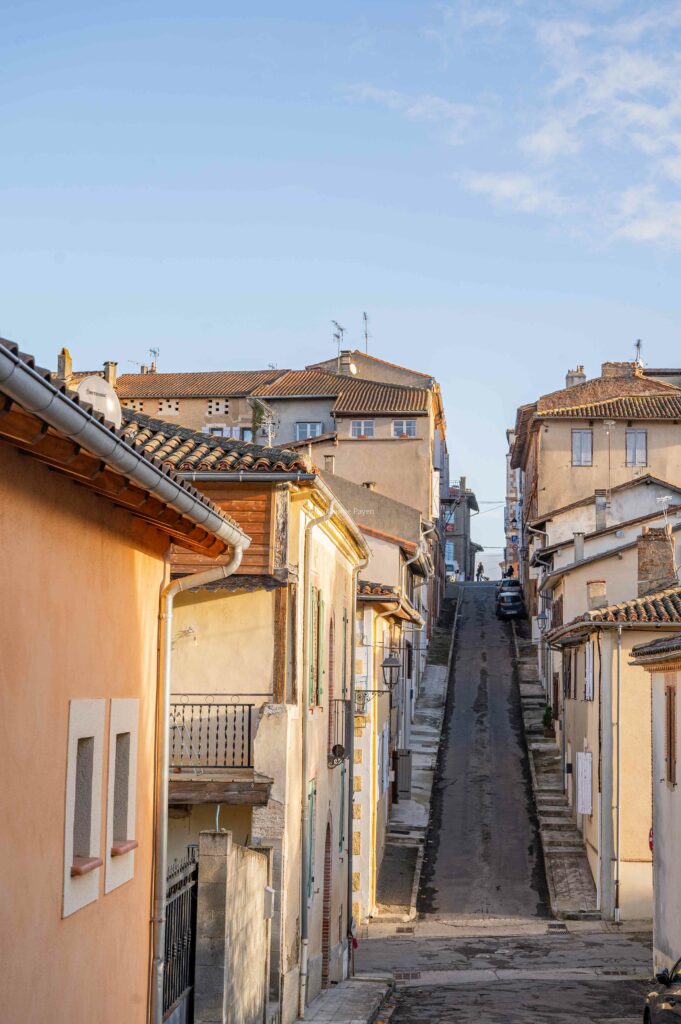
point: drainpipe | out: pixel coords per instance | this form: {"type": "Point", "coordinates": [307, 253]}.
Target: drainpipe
{"type": "Point", "coordinates": [165, 617]}
{"type": "Point", "coordinates": [619, 776]}
{"type": "Point", "coordinates": [304, 818]}
{"type": "Point", "coordinates": [351, 753]}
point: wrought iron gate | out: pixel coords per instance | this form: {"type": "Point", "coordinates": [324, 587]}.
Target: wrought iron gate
{"type": "Point", "coordinates": [178, 968]}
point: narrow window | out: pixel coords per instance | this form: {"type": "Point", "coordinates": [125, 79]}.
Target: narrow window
{"type": "Point", "coordinates": [312, 646]}
{"type": "Point", "coordinates": [121, 788]}
{"type": "Point", "coordinates": [320, 649]}
{"type": "Point", "coordinates": [82, 810]}
{"type": "Point", "coordinates": [637, 447]}
{"type": "Point", "coordinates": [362, 428]}
{"type": "Point", "coordinates": [582, 447]}
{"type": "Point", "coordinates": [589, 672]}
{"type": "Point", "coordinates": [670, 733]}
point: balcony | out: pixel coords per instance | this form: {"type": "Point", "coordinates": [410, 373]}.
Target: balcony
{"type": "Point", "coordinates": [212, 751]}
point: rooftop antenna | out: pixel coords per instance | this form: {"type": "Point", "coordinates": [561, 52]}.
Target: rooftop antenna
{"type": "Point", "coordinates": [338, 338]}
{"type": "Point", "coordinates": [154, 353]}
{"type": "Point", "coordinates": [638, 346]}
{"type": "Point", "coordinates": [365, 318]}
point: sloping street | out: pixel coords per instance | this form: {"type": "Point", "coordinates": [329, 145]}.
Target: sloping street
{"type": "Point", "coordinates": [484, 945]}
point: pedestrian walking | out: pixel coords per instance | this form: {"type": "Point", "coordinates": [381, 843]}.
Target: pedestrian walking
{"type": "Point", "coordinates": [479, 571]}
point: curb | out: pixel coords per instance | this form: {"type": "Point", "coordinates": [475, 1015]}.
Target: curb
{"type": "Point", "coordinates": [422, 849]}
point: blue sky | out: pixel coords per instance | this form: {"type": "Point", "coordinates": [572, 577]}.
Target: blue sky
{"type": "Point", "coordinates": [496, 185]}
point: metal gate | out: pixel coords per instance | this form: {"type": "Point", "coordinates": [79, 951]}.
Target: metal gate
{"type": "Point", "coordinates": [178, 968]}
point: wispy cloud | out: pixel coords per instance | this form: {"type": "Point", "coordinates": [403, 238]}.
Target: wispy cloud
{"type": "Point", "coordinates": [455, 118]}
{"type": "Point", "coordinates": [520, 192]}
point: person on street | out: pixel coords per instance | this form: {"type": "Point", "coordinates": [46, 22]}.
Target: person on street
{"type": "Point", "coordinates": [479, 571]}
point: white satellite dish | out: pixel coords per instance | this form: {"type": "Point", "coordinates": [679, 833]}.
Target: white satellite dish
{"type": "Point", "coordinates": [353, 369]}
{"type": "Point", "coordinates": [98, 393]}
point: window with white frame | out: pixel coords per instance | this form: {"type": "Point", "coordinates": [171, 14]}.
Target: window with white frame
{"type": "Point", "coordinates": [168, 406]}
{"type": "Point", "coordinates": [83, 810]}
{"type": "Point", "coordinates": [362, 428]}
{"type": "Point", "coordinates": [246, 433]}
{"type": "Point", "coordinates": [582, 447]}
{"type": "Point", "coordinates": [217, 430]}
{"type": "Point", "coordinates": [308, 428]}
{"type": "Point", "coordinates": [121, 793]}
{"type": "Point", "coordinates": [404, 428]}
{"type": "Point", "coordinates": [636, 447]}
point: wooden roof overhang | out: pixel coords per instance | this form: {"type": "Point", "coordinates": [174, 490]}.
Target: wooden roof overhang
{"type": "Point", "coordinates": [32, 437]}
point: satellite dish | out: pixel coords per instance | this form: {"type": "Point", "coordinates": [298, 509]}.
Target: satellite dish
{"type": "Point", "coordinates": [353, 369]}
{"type": "Point", "coordinates": [98, 393]}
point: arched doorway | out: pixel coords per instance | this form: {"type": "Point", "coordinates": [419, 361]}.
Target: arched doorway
{"type": "Point", "coordinates": [326, 910]}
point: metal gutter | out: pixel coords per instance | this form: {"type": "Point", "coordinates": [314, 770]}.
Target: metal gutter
{"type": "Point", "coordinates": [243, 476]}
{"type": "Point", "coordinates": [35, 394]}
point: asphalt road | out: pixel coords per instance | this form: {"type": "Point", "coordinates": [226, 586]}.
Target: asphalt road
{"type": "Point", "coordinates": [484, 857]}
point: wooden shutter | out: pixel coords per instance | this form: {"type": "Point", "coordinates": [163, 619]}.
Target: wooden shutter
{"type": "Point", "coordinates": [320, 648]}
{"type": "Point", "coordinates": [589, 671]}
{"type": "Point", "coordinates": [584, 785]}
{"type": "Point", "coordinates": [670, 732]}
{"type": "Point", "coordinates": [312, 648]}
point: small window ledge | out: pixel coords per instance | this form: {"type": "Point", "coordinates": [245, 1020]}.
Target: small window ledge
{"type": "Point", "coordinates": [84, 865]}
{"type": "Point", "coordinates": [124, 846]}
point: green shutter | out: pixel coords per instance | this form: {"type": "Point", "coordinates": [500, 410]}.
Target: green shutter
{"type": "Point", "coordinates": [320, 649]}
{"type": "Point", "coordinates": [341, 813]}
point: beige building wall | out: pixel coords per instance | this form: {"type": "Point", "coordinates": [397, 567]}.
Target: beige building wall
{"type": "Point", "coordinates": [79, 622]}
{"type": "Point", "coordinates": [562, 483]}
{"type": "Point", "coordinates": [195, 413]}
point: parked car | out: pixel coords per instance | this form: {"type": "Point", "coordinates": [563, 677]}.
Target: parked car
{"type": "Point", "coordinates": [664, 1002]}
{"type": "Point", "coordinates": [510, 605]}
{"type": "Point", "coordinates": [510, 584]}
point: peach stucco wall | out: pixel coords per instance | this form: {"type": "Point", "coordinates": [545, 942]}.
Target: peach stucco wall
{"type": "Point", "coordinates": [78, 619]}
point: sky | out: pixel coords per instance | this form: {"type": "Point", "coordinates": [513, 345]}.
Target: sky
{"type": "Point", "coordinates": [496, 185]}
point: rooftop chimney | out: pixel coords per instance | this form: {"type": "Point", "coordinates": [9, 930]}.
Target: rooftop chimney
{"type": "Point", "coordinates": [656, 559]}
{"type": "Point", "coordinates": [344, 362]}
{"type": "Point", "coordinates": [617, 370]}
{"type": "Point", "coordinates": [601, 499]}
{"type": "Point", "coordinates": [579, 546]}
{"type": "Point", "coordinates": [369, 484]}
{"type": "Point", "coordinates": [576, 376]}
{"type": "Point", "coordinates": [110, 372]}
{"type": "Point", "coordinates": [64, 366]}
{"type": "Point", "coordinates": [330, 463]}
{"type": "Point", "coordinates": [596, 594]}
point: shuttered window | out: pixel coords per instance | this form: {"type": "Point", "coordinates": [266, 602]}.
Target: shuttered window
{"type": "Point", "coordinates": [589, 672]}
{"type": "Point", "coordinates": [637, 447]}
{"type": "Point", "coordinates": [582, 447]}
{"type": "Point", "coordinates": [319, 694]}
{"type": "Point", "coordinates": [312, 648]}
{"type": "Point", "coordinates": [567, 674]}
{"type": "Point", "coordinates": [670, 732]}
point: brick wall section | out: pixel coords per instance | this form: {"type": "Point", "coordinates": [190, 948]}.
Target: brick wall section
{"type": "Point", "coordinates": [655, 559]}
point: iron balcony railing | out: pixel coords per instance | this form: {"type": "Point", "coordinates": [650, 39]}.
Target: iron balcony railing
{"type": "Point", "coordinates": [208, 731]}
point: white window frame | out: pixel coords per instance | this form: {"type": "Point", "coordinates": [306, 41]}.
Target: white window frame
{"type": "Point", "coordinates": [119, 863]}
{"type": "Point", "coordinates": [303, 431]}
{"type": "Point", "coordinates": [241, 433]}
{"type": "Point", "coordinates": [404, 428]}
{"type": "Point", "coordinates": [636, 436]}
{"type": "Point", "coordinates": [217, 430]}
{"type": "Point", "coordinates": [580, 434]}
{"type": "Point", "coordinates": [358, 428]}
{"type": "Point", "coordinates": [86, 719]}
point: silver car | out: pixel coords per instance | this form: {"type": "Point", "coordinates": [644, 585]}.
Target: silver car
{"type": "Point", "coordinates": [664, 1002]}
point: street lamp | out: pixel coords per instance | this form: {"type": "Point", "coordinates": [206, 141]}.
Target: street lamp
{"type": "Point", "coordinates": [391, 663]}
{"type": "Point", "coordinates": [542, 620]}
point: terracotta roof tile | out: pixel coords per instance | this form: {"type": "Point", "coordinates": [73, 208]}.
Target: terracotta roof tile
{"type": "Point", "coordinates": [665, 645]}
{"type": "Point", "coordinates": [353, 395]}
{"type": "Point", "coordinates": [367, 589]}
{"type": "Point", "coordinates": [187, 451]}
{"type": "Point", "coordinates": [302, 384]}
{"type": "Point", "coordinates": [604, 389]}
{"type": "Point", "coordinates": [663, 606]}
{"type": "Point", "coordinates": [204, 384]}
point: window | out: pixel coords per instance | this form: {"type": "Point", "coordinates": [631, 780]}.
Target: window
{"type": "Point", "coordinates": [83, 811]}
{"type": "Point", "coordinates": [567, 674]}
{"type": "Point", "coordinates": [316, 648]}
{"type": "Point", "coordinates": [169, 406]}
{"type": "Point", "coordinates": [670, 732]}
{"type": "Point", "coordinates": [308, 429]}
{"type": "Point", "coordinates": [404, 428]}
{"type": "Point", "coordinates": [246, 434]}
{"type": "Point", "coordinates": [121, 791]}
{"type": "Point", "coordinates": [217, 431]}
{"type": "Point", "coordinates": [637, 447]}
{"type": "Point", "coordinates": [589, 672]}
{"type": "Point", "coordinates": [582, 447]}
{"type": "Point", "coordinates": [362, 428]}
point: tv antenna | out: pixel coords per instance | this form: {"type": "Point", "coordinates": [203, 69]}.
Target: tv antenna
{"type": "Point", "coordinates": [638, 346]}
{"type": "Point", "coordinates": [154, 353]}
{"type": "Point", "coordinates": [338, 338]}
{"type": "Point", "coordinates": [365, 318]}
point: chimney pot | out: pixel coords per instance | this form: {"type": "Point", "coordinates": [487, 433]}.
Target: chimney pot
{"type": "Point", "coordinates": [596, 594]}
{"type": "Point", "coordinates": [617, 369]}
{"type": "Point", "coordinates": [369, 484]}
{"type": "Point", "coordinates": [330, 463]}
{"type": "Point", "coordinates": [64, 366]}
{"type": "Point", "coordinates": [656, 559]}
{"type": "Point", "coordinates": [576, 376]}
{"type": "Point", "coordinates": [110, 372]}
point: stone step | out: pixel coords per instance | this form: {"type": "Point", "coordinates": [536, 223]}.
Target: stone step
{"type": "Point", "coordinates": [562, 837]}
{"type": "Point", "coordinates": [557, 824]}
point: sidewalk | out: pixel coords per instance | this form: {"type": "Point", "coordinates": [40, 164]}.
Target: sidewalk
{"type": "Point", "coordinates": [400, 872]}
{"type": "Point", "coordinates": [355, 1001]}
{"type": "Point", "coordinates": [572, 891]}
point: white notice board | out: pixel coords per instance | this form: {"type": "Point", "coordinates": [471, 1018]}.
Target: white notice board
{"type": "Point", "coordinates": [584, 805]}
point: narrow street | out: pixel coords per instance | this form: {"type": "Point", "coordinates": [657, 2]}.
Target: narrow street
{"type": "Point", "coordinates": [484, 946]}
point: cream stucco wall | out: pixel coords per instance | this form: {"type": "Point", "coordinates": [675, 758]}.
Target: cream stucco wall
{"type": "Point", "coordinates": [667, 835]}
{"type": "Point", "coordinates": [193, 413]}
{"type": "Point", "coordinates": [79, 621]}
{"type": "Point", "coordinates": [562, 483]}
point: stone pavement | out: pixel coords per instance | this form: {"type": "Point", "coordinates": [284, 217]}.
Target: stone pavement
{"type": "Point", "coordinates": [355, 1001]}
{"type": "Point", "coordinates": [400, 871]}
{"type": "Point", "coordinates": [572, 891]}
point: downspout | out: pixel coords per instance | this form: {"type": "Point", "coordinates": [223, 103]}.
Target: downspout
{"type": "Point", "coordinates": [351, 756]}
{"type": "Point", "coordinates": [304, 817]}
{"type": "Point", "coordinates": [165, 617]}
{"type": "Point", "coordinates": [619, 775]}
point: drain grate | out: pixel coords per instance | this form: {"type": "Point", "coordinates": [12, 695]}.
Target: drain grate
{"type": "Point", "coordinates": [407, 975]}
{"type": "Point", "coordinates": [405, 930]}
{"type": "Point", "coordinates": [557, 926]}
